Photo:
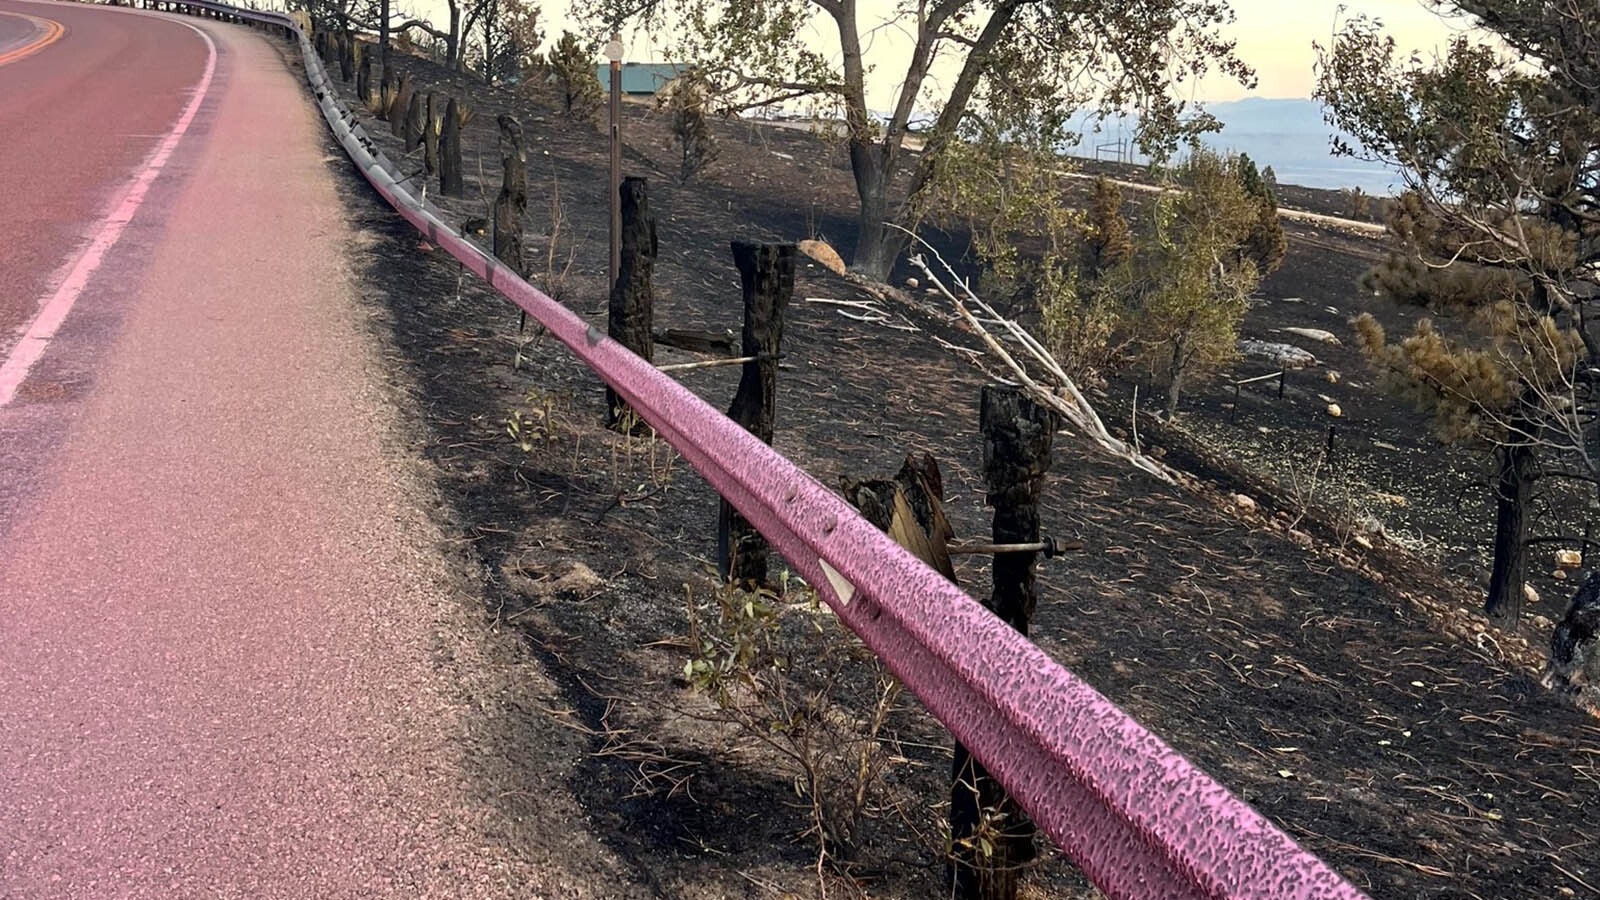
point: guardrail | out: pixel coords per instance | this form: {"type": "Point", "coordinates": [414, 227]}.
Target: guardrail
{"type": "Point", "coordinates": [1139, 818]}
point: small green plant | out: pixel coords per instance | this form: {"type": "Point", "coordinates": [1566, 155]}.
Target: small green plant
{"type": "Point", "coordinates": [780, 668]}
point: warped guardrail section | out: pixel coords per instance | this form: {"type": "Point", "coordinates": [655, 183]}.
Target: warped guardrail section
{"type": "Point", "coordinates": [1139, 818]}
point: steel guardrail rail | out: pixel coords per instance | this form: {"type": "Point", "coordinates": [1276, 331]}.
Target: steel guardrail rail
{"type": "Point", "coordinates": [1138, 818]}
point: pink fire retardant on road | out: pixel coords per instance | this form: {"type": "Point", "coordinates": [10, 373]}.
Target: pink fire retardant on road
{"type": "Point", "coordinates": [215, 607]}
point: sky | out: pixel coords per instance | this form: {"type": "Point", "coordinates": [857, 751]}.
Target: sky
{"type": "Point", "coordinates": [1277, 45]}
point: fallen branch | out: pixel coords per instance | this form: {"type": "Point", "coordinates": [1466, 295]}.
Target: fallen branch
{"type": "Point", "coordinates": [1064, 396]}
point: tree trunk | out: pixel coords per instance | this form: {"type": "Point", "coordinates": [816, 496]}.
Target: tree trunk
{"type": "Point", "coordinates": [877, 244]}
{"type": "Point", "coordinates": [1512, 490]}
{"type": "Point", "coordinates": [383, 41]}
{"type": "Point", "coordinates": [1175, 382]}
{"type": "Point", "coordinates": [453, 43]}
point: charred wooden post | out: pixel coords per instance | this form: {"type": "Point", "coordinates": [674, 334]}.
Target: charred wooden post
{"type": "Point", "coordinates": [513, 199]}
{"type": "Point", "coordinates": [450, 183]}
{"type": "Point", "coordinates": [766, 272]}
{"type": "Point", "coordinates": [1017, 436]}
{"type": "Point", "coordinates": [632, 308]}
{"type": "Point", "coordinates": [414, 122]}
{"type": "Point", "coordinates": [363, 75]}
{"type": "Point", "coordinates": [347, 56]}
{"type": "Point", "coordinates": [397, 109]}
{"type": "Point", "coordinates": [430, 136]}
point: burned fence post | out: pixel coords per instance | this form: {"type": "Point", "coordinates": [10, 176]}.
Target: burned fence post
{"type": "Point", "coordinates": [430, 136]}
{"type": "Point", "coordinates": [1017, 436]}
{"type": "Point", "coordinates": [414, 122]}
{"type": "Point", "coordinates": [632, 307]}
{"type": "Point", "coordinates": [513, 199]}
{"type": "Point", "coordinates": [347, 56]}
{"type": "Point", "coordinates": [450, 183]}
{"type": "Point", "coordinates": [363, 74]}
{"type": "Point", "coordinates": [766, 272]}
{"type": "Point", "coordinates": [397, 109]}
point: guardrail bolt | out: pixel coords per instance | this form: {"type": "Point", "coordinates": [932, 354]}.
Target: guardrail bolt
{"type": "Point", "coordinates": [632, 309]}
{"type": "Point", "coordinates": [766, 272]}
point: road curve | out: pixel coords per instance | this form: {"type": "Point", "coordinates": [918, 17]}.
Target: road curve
{"type": "Point", "coordinates": [231, 656]}
{"type": "Point", "coordinates": [77, 117]}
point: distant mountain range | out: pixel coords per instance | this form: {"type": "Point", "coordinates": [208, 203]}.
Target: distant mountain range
{"type": "Point", "coordinates": [1288, 135]}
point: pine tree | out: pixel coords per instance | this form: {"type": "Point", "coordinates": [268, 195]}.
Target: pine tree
{"type": "Point", "coordinates": [1109, 242]}
{"type": "Point", "coordinates": [1497, 238]}
{"type": "Point", "coordinates": [1266, 243]}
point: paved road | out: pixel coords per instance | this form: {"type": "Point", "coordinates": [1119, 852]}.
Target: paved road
{"type": "Point", "coordinates": [220, 638]}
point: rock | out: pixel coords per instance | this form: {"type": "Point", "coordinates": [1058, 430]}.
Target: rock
{"type": "Point", "coordinates": [912, 283]}
{"type": "Point", "coordinates": [1529, 594]}
{"type": "Point", "coordinates": [1286, 355]}
{"type": "Point", "coordinates": [824, 254]}
{"type": "Point", "coordinates": [1313, 334]}
{"type": "Point", "coordinates": [1541, 623]}
{"type": "Point", "coordinates": [1334, 410]}
{"type": "Point", "coordinates": [1333, 377]}
{"type": "Point", "coordinates": [1362, 541]}
{"type": "Point", "coordinates": [1568, 559]}
{"type": "Point", "coordinates": [1244, 503]}
{"type": "Point", "coordinates": [1559, 574]}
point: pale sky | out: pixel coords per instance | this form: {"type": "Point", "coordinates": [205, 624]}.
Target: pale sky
{"type": "Point", "coordinates": [1275, 37]}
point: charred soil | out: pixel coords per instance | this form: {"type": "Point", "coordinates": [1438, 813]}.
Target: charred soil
{"type": "Point", "coordinates": [1348, 694]}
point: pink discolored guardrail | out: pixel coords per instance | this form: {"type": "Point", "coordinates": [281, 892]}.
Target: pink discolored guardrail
{"type": "Point", "coordinates": [1139, 818]}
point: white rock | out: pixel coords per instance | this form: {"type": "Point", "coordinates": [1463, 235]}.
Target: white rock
{"type": "Point", "coordinates": [1334, 410]}
{"type": "Point", "coordinates": [912, 283]}
{"type": "Point", "coordinates": [1333, 377]}
{"type": "Point", "coordinates": [1245, 504]}
{"type": "Point", "coordinates": [1569, 559]}
{"type": "Point", "coordinates": [1529, 594]}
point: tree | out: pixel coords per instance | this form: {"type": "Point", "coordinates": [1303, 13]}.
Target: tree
{"type": "Point", "coordinates": [508, 35]}
{"type": "Point", "coordinates": [688, 100]}
{"type": "Point", "coordinates": [1196, 273]}
{"type": "Point", "coordinates": [1498, 237]}
{"type": "Point", "coordinates": [572, 66]}
{"type": "Point", "coordinates": [1054, 56]}
{"type": "Point", "coordinates": [1109, 243]}
{"type": "Point", "coordinates": [1266, 243]}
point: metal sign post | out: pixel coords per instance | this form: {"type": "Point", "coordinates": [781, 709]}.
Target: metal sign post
{"type": "Point", "coordinates": [614, 54]}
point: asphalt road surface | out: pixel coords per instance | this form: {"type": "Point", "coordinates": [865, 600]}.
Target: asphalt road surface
{"type": "Point", "coordinates": [221, 657]}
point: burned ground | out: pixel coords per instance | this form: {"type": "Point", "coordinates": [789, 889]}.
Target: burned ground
{"type": "Point", "coordinates": [1419, 763]}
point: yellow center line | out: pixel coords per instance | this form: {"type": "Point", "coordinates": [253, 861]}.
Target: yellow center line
{"type": "Point", "coordinates": [53, 31]}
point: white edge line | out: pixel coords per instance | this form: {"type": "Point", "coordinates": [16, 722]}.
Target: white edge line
{"type": "Point", "coordinates": [53, 310]}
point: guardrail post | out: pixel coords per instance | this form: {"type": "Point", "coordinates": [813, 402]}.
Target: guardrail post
{"type": "Point", "coordinates": [513, 199]}
{"type": "Point", "coordinates": [450, 183]}
{"type": "Point", "coordinates": [414, 122]}
{"type": "Point", "coordinates": [632, 309]}
{"type": "Point", "coordinates": [430, 136]}
{"type": "Point", "coordinates": [991, 837]}
{"type": "Point", "coordinates": [766, 272]}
